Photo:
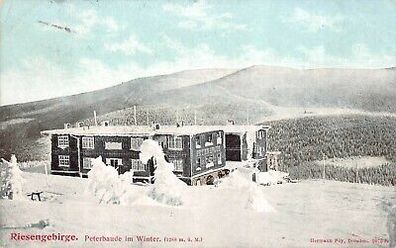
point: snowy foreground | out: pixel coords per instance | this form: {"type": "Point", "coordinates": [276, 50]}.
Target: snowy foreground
{"type": "Point", "coordinates": [210, 216]}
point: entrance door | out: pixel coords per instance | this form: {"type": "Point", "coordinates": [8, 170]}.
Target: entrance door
{"type": "Point", "coordinates": [115, 162]}
{"type": "Point", "coordinates": [233, 147]}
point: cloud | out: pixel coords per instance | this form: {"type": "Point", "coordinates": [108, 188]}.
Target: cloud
{"type": "Point", "coordinates": [48, 80]}
{"type": "Point", "coordinates": [360, 56]}
{"type": "Point", "coordinates": [198, 16]}
{"type": "Point", "coordinates": [129, 46]}
{"type": "Point", "coordinates": [314, 23]}
{"type": "Point", "coordinates": [85, 21]}
{"type": "Point", "coordinates": [89, 19]}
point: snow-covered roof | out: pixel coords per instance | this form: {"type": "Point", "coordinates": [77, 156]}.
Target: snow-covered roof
{"type": "Point", "coordinates": [241, 128]}
{"type": "Point", "coordinates": [148, 131]}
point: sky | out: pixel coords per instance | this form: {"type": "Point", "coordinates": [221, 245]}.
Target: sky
{"type": "Point", "coordinates": [110, 42]}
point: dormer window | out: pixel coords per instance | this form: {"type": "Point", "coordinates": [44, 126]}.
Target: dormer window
{"type": "Point", "coordinates": [63, 141]}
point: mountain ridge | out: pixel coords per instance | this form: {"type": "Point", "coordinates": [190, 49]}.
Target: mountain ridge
{"type": "Point", "coordinates": [250, 93]}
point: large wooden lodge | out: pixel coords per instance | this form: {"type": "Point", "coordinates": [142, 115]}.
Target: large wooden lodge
{"type": "Point", "coordinates": [199, 153]}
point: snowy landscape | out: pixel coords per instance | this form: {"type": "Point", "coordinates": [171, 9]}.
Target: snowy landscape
{"type": "Point", "coordinates": [210, 124]}
{"type": "Point", "coordinates": [233, 212]}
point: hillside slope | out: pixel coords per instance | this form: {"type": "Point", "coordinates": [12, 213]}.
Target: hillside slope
{"type": "Point", "coordinates": [365, 89]}
{"type": "Point", "coordinates": [20, 124]}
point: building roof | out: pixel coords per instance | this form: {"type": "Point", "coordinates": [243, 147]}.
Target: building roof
{"type": "Point", "coordinates": [148, 131]}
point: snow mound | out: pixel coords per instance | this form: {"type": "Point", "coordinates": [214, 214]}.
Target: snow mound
{"type": "Point", "coordinates": [167, 188]}
{"type": "Point", "coordinates": [241, 181]}
{"type": "Point", "coordinates": [271, 177]}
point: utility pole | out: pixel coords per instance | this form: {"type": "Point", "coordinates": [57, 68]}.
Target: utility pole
{"type": "Point", "coordinates": [195, 117]}
{"type": "Point", "coordinates": [247, 116]}
{"type": "Point", "coordinates": [134, 114]}
{"type": "Point", "coordinates": [95, 119]}
{"type": "Point", "coordinates": [324, 166]}
{"type": "Point", "coordinates": [147, 118]}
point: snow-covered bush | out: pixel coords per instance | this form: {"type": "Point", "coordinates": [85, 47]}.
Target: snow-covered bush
{"type": "Point", "coordinates": [167, 188]}
{"type": "Point", "coordinates": [105, 184]}
{"type": "Point", "coordinates": [11, 180]}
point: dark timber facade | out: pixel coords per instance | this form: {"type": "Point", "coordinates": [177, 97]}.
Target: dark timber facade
{"type": "Point", "coordinates": [198, 154]}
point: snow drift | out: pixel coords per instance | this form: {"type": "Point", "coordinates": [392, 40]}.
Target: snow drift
{"type": "Point", "coordinates": [241, 181]}
{"type": "Point", "coordinates": [271, 177]}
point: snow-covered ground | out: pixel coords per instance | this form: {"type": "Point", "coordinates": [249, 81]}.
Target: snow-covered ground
{"type": "Point", "coordinates": [356, 162]}
{"type": "Point", "coordinates": [216, 216]}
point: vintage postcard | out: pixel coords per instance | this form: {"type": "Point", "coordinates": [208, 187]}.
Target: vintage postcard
{"type": "Point", "coordinates": [189, 123]}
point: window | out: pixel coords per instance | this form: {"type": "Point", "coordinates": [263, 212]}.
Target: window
{"type": "Point", "coordinates": [88, 142]}
{"type": "Point", "coordinates": [113, 145]}
{"type": "Point", "coordinates": [87, 163]}
{"type": "Point", "coordinates": [136, 143]}
{"type": "Point", "coordinates": [178, 165]}
{"type": "Point", "coordinates": [219, 140]}
{"type": "Point", "coordinates": [208, 140]}
{"type": "Point", "coordinates": [219, 158]}
{"type": "Point", "coordinates": [260, 134]}
{"type": "Point", "coordinates": [64, 160]}
{"type": "Point", "coordinates": [175, 143]}
{"type": "Point", "coordinates": [209, 161]}
{"type": "Point", "coordinates": [260, 150]}
{"type": "Point", "coordinates": [214, 137]}
{"type": "Point", "coordinates": [114, 162]}
{"type": "Point", "coordinates": [63, 141]}
{"type": "Point", "coordinates": [197, 141]}
{"type": "Point", "coordinates": [137, 165]}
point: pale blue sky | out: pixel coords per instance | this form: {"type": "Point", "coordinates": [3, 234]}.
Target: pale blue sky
{"type": "Point", "coordinates": [115, 41]}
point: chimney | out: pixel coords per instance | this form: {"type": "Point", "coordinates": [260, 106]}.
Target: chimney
{"type": "Point", "coordinates": [155, 126]}
{"type": "Point", "coordinates": [66, 125]}
{"type": "Point", "coordinates": [79, 124]}
{"type": "Point", "coordinates": [105, 123]}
